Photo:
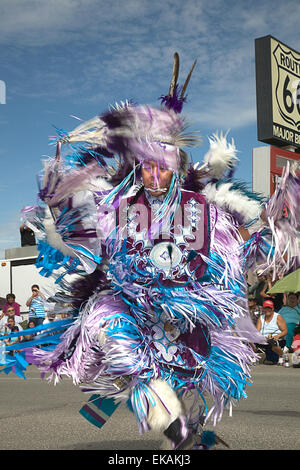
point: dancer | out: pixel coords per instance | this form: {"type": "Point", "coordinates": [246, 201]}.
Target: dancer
{"type": "Point", "coordinates": [152, 252]}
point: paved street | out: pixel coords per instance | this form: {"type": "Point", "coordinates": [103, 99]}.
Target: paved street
{"type": "Point", "coordinates": [37, 415]}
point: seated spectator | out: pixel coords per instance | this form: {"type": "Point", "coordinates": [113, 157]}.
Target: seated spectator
{"type": "Point", "coordinates": [29, 337]}
{"type": "Point", "coordinates": [10, 327]}
{"type": "Point", "coordinates": [10, 324]}
{"type": "Point", "coordinates": [272, 326]}
{"type": "Point", "coordinates": [11, 314]}
{"type": "Point", "coordinates": [11, 302]}
{"type": "Point", "coordinates": [51, 316]}
{"type": "Point", "coordinates": [254, 309]}
{"type": "Point", "coordinates": [296, 347]}
{"type": "Point", "coordinates": [67, 311]}
{"type": "Point", "coordinates": [31, 324]}
{"type": "Point", "coordinates": [291, 315]}
{"type": "Point", "coordinates": [15, 340]}
{"type": "Point", "coordinates": [3, 321]}
{"type": "Point", "coordinates": [62, 308]}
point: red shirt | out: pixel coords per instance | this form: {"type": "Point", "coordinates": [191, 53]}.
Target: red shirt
{"type": "Point", "coordinates": [296, 343]}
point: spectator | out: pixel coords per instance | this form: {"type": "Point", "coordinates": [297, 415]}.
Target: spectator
{"type": "Point", "coordinates": [256, 288]}
{"type": "Point", "coordinates": [10, 324]}
{"type": "Point", "coordinates": [291, 315]}
{"type": "Point", "coordinates": [62, 308]}
{"type": "Point", "coordinates": [36, 305]}
{"type": "Point", "coordinates": [11, 302]}
{"type": "Point", "coordinates": [296, 347]}
{"type": "Point", "coordinates": [51, 316]}
{"type": "Point", "coordinates": [3, 321]}
{"type": "Point", "coordinates": [67, 310]}
{"type": "Point", "coordinates": [17, 339]}
{"type": "Point", "coordinates": [272, 326]}
{"type": "Point", "coordinates": [277, 299]}
{"type": "Point", "coordinates": [29, 337]}
{"type": "Point", "coordinates": [27, 236]}
{"type": "Point", "coordinates": [31, 324]}
{"type": "Point", "coordinates": [11, 314]}
{"type": "Point", "coordinates": [254, 309]}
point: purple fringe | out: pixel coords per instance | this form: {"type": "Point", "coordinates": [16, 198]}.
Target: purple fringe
{"type": "Point", "coordinates": [85, 363]}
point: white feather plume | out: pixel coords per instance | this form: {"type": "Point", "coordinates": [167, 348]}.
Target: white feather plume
{"type": "Point", "coordinates": [158, 418]}
{"type": "Point", "coordinates": [92, 131]}
{"type": "Point", "coordinates": [221, 155]}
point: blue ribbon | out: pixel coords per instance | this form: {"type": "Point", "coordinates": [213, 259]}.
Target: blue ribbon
{"type": "Point", "coordinates": [55, 325]}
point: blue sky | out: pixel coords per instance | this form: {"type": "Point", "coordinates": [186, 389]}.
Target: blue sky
{"type": "Point", "coordinates": [64, 58]}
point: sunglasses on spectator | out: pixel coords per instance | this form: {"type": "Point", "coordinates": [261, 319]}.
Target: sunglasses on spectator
{"type": "Point", "coordinates": [10, 310]}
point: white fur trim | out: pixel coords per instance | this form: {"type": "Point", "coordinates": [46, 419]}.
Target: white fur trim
{"type": "Point", "coordinates": [158, 417]}
{"type": "Point", "coordinates": [233, 200]}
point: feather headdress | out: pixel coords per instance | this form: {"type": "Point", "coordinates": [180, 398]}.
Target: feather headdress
{"type": "Point", "coordinates": [139, 133]}
{"type": "Point", "coordinates": [176, 96]}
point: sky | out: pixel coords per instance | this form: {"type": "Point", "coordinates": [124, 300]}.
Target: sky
{"type": "Point", "coordinates": [66, 58]}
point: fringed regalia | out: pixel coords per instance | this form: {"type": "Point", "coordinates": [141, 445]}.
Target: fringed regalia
{"type": "Point", "coordinates": [156, 284]}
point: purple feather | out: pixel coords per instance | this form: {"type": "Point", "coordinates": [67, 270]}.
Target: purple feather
{"type": "Point", "coordinates": [173, 102]}
{"type": "Point", "coordinates": [192, 181]}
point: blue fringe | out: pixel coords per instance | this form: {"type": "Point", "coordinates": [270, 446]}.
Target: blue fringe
{"type": "Point", "coordinates": [46, 337]}
{"type": "Point", "coordinates": [50, 259]}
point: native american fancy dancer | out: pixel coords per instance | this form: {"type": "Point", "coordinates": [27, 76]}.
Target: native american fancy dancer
{"type": "Point", "coordinates": [151, 251]}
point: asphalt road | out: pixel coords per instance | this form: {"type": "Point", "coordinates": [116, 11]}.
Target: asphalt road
{"type": "Point", "coordinates": [36, 415]}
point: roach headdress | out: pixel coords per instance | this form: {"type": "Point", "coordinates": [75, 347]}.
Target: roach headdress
{"type": "Point", "coordinates": [135, 134]}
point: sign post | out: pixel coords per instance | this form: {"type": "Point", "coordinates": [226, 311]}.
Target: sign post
{"type": "Point", "coordinates": [277, 93]}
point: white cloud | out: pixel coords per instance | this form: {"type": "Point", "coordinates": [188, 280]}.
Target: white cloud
{"type": "Point", "coordinates": [97, 51]}
{"type": "Point", "coordinates": [233, 117]}
{"type": "Point", "coordinates": [61, 21]}
{"type": "Point", "coordinates": [93, 50]}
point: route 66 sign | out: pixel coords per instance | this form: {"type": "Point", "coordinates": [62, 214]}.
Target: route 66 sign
{"type": "Point", "coordinates": [277, 92]}
{"type": "Point", "coordinates": [286, 85]}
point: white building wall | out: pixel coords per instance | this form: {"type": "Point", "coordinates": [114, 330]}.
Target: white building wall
{"type": "Point", "coordinates": [261, 170]}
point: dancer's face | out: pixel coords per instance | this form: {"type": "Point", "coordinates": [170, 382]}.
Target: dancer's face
{"type": "Point", "coordinates": [156, 178]}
